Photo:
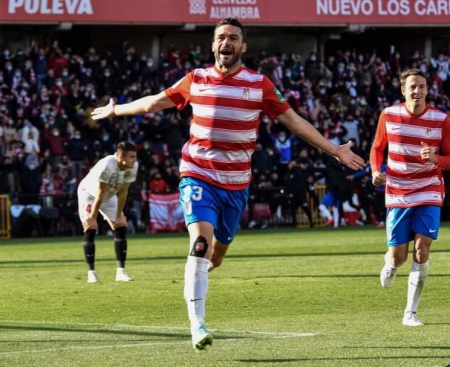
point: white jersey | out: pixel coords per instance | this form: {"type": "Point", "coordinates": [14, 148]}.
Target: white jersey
{"type": "Point", "coordinates": [107, 170]}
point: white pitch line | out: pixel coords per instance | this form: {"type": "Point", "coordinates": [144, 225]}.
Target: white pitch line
{"type": "Point", "coordinates": [268, 334]}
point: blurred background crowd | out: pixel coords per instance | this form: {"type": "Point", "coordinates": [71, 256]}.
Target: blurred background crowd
{"type": "Point", "coordinates": [48, 141]}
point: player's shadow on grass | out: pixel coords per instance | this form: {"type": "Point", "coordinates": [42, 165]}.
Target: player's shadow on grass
{"type": "Point", "coordinates": [350, 359]}
{"type": "Point", "coordinates": [181, 335]}
{"type": "Point", "coordinates": [230, 256]}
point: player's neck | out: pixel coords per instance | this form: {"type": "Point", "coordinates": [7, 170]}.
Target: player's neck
{"type": "Point", "coordinates": [227, 71]}
{"type": "Point", "coordinates": [416, 109]}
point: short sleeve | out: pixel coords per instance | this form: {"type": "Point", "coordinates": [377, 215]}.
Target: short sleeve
{"type": "Point", "coordinates": [274, 103]}
{"type": "Point", "coordinates": [104, 176]}
{"type": "Point", "coordinates": [180, 92]}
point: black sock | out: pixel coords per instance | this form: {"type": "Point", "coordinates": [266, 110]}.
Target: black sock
{"type": "Point", "coordinates": [120, 246]}
{"type": "Point", "coordinates": [89, 248]}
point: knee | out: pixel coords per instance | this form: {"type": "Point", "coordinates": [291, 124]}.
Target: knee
{"type": "Point", "coordinates": [199, 247]}
{"type": "Point", "coordinates": [421, 255]}
{"type": "Point", "coordinates": [398, 259]}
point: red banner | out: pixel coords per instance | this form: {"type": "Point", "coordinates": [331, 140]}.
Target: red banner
{"type": "Point", "coordinates": [256, 12]}
{"type": "Point", "coordinates": [166, 213]}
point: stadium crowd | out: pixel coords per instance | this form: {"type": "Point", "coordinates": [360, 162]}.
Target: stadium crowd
{"type": "Point", "coordinates": [48, 140]}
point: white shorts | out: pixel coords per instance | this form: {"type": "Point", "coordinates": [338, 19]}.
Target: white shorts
{"type": "Point", "coordinates": [85, 201]}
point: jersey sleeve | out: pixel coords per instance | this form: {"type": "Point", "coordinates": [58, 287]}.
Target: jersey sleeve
{"type": "Point", "coordinates": [105, 173]}
{"type": "Point", "coordinates": [379, 144]}
{"type": "Point", "coordinates": [274, 103]}
{"type": "Point", "coordinates": [444, 159]}
{"type": "Point", "coordinates": [180, 92]}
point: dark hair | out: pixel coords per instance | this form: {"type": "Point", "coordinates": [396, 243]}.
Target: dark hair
{"type": "Point", "coordinates": [125, 147]}
{"type": "Point", "coordinates": [410, 72]}
{"type": "Point", "coordinates": [234, 22]}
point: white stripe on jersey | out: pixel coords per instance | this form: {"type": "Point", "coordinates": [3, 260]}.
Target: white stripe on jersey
{"type": "Point", "coordinates": [410, 168]}
{"type": "Point", "coordinates": [407, 149]}
{"type": "Point", "coordinates": [401, 183]}
{"type": "Point", "coordinates": [206, 72]}
{"type": "Point", "coordinates": [222, 135]}
{"type": "Point", "coordinates": [414, 199]}
{"type": "Point", "coordinates": [217, 155]}
{"type": "Point", "coordinates": [249, 77]}
{"type": "Point", "coordinates": [224, 113]}
{"type": "Point", "coordinates": [223, 91]}
{"type": "Point", "coordinates": [223, 177]}
{"type": "Point", "coordinates": [409, 130]}
{"type": "Point", "coordinates": [434, 115]}
{"type": "Point", "coordinates": [398, 110]}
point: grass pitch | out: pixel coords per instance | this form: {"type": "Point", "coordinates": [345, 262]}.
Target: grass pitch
{"type": "Point", "coordinates": [282, 298]}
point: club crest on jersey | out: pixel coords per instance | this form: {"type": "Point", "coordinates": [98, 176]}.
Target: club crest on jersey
{"type": "Point", "coordinates": [246, 93]}
{"type": "Point", "coordinates": [428, 134]}
{"type": "Point", "coordinates": [126, 174]}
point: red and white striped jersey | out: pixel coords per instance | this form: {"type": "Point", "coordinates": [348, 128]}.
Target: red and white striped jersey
{"type": "Point", "coordinates": [411, 181]}
{"type": "Point", "coordinates": [226, 112]}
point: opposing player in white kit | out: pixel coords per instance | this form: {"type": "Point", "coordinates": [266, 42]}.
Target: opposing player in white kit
{"type": "Point", "coordinates": [105, 190]}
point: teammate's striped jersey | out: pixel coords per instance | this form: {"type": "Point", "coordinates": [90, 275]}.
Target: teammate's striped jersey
{"type": "Point", "coordinates": [107, 170]}
{"type": "Point", "coordinates": [410, 180]}
{"type": "Point", "coordinates": [226, 113]}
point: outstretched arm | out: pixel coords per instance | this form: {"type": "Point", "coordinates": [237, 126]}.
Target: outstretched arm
{"type": "Point", "coordinates": [140, 106]}
{"type": "Point", "coordinates": [304, 130]}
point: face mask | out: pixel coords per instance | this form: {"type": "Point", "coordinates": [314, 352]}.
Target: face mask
{"type": "Point", "coordinates": [88, 89]}
{"type": "Point", "coordinates": [10, 122]}
{"type": "Point", "coordinates": [105, 138]}
{"type": "Point", "coordinates": [340, 70]}
{"type": "Point", "coordinates": [56, 133]}
{"type": "Point", "coordinates": [322, 90]}
{"type": "Point", "coordinates": [288, 75]}
{"type": "Point", "coordinates": [23, 93]}
{"type": "Point", "coordinates": [59, 84]}
{"type": "Point", "coordinates": [31, 166]}
{"type": "Point", "coordinates": [107, 75]}
{"type": "Point", "coordinates": [65, 73]}
{"type": "Point", "coordinates": [6, 52]}
{"type": "Point", "coordinates": [9, 68]}
{"type": "Point", "coordinates": [313, 58]}
{"type": "Point", "coordinates": [128, 58]}
{"type": "Point", "coordinates": [150, 63]}
{"type": "Point", "coordinates": [17, 75]}
{"type": "Point", "coordinates": [77, 136]}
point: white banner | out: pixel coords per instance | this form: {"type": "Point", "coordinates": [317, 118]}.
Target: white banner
{"type": "Point", "coordinates": [166, 213]}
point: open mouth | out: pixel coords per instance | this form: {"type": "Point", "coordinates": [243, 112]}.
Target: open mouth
{"type": "Point", "coordinates": [226, 52]}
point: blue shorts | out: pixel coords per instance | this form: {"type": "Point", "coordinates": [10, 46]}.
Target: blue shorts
{"type": "Point", "coordinates": [222, 208]}
{"type": "Point", "coordinates": [330, 200]}
{"type": "Point", "coordinates": [402, 224]}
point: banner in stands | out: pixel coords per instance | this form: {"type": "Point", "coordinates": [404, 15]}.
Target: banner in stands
{"type": "Point", "coordinates": [267, 12]}
{"type": "Point", "coordinates": [166, 214]}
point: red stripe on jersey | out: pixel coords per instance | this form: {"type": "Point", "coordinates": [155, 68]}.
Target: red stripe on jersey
{"type": "Point", "coordinates": [227, 124]}
{"type": "Point", "coordinates": [207, 144]}
{"type": "Point", "coordinates": [216, 165]}
{"type": "Point", "coordinates": [227, 102]}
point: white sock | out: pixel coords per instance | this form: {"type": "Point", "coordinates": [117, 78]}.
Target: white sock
{"type": "Point", "coordinates": [324, 212]}
{"type": "Point", "coordinates": [336, 216]}
{"type": "Point", "coordinates": [416, 283]}
{"type": "Point", "coordinates": [387, 260]}
{"type": "Point", "coordinates": [196, 288]}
